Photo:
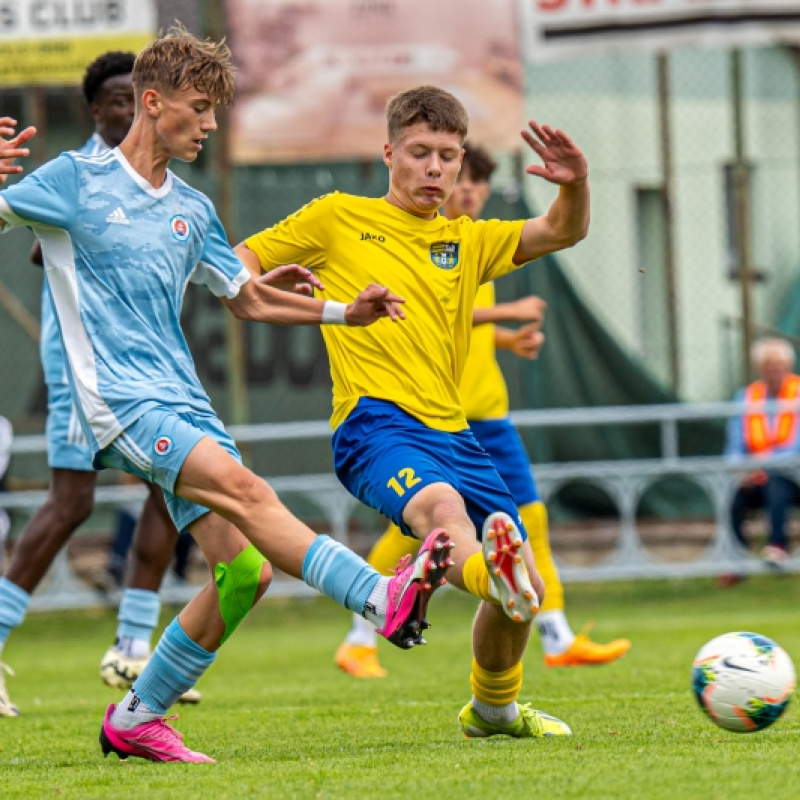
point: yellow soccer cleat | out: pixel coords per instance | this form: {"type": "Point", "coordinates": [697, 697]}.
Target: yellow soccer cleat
{"type": "Point", "coordinates": [7, 708]}
{"type": "Point", "coordinates": [583, 652]}
{"type": "Point", "coordinates": [119, 672]}
{"type": "Point", "coordinates": [528, 724]}
{"type": "Point", "coordinates": [359, 661]}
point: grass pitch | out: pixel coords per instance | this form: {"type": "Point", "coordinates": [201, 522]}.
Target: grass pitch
{"type": "Point", "coordinates": [284, 723]}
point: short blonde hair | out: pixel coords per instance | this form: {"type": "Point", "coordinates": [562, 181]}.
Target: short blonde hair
{"type": "Point", "coordinates": [439, 109]}
{"type": "Point", "coordinates": [179, 60]}
{"type": "Point", "coordinates": [761, 347]}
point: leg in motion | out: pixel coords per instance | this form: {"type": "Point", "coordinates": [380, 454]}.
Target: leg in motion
{"type": "Point", "coordinates": [140, 606]}
{"type": "Point", "coordinates": [68, 504]}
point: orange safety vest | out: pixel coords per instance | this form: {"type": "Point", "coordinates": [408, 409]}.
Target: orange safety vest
{"type": "Point", "coordinates": [761, 434]}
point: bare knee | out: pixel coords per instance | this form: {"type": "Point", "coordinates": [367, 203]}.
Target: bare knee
{"type": "Point", "coordinates": [437, 505]}
{"type": "Point", "coordinates": [253, 494]}
{"type": "Point", "coordinates": [264, 581]}
{"type": "Point", "coordinates": [69, 506]}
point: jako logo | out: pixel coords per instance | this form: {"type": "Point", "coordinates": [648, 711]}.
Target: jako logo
{"type": "Point", "coordinates": [368, 237]}
{"type": "Point", "coordinates": [180, 227]}
{"type": "Point", "coordinates": [163, 445]}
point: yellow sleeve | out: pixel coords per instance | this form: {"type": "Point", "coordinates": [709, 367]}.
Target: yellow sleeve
{"type": "Point", "coordinates": [497, 241]}
{"type": "Point", "coordinates": [301, 238]}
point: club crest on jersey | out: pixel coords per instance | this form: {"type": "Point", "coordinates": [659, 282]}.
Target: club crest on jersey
{"type": "Point", "coordinates": [163, 445]}
{"type": "Point", "coordinates": [180, 227]}
{"type": "Point", "coordinates": [444, 254]}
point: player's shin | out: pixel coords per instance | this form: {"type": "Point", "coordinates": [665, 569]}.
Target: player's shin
{"type": "Point", "coordinates": [176, 665]}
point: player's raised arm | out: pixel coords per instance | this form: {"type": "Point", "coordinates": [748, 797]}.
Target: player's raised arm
{"type": "Point", "coordinates": [567, 220]}
{"type": "Point", "coordinates": [12, 148]}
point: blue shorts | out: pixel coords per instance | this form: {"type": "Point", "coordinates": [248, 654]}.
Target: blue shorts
{"type": "Point", "coordinates": [155, 446]}
{"type": "Point", "coordinates": [67, 447]}
{"type": "Point", "coordinates": [384, 456]}
{"type": "Point", "coordinates": [499, 438]}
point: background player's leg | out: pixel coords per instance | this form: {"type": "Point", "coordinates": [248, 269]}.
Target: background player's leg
{"type": "Point", "coordinates": [562, 648]}
{"type": "Point", "coordinates": [68, 504]}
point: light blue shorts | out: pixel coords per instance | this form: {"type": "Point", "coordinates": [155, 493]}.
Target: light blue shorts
{"type": "Point", "coordinates": [155, 447]}
{"type": "Point", "coordinates": [67, 447]}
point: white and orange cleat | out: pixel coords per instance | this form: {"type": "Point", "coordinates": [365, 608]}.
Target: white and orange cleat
{"type": "Point", "coordinates": [502, 542]}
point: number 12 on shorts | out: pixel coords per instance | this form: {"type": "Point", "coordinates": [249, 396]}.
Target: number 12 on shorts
{"type": "Point", "coordinates": [404, 480]}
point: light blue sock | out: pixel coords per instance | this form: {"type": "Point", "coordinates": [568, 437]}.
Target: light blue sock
{"type": "Point", "coordinates": [13, 606]}
{"type": "Point", "coordinates": [138, 614]}
{"type": "Point", "coordinates": [339, 573]}
{"type": "Point", "coordinates": [175, 666]}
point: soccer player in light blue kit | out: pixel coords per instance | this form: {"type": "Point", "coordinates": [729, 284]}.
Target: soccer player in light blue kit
{"type": "Point", "coordinates": [121, 237]}
{"type": "Point", "coordinates": [108, 91]}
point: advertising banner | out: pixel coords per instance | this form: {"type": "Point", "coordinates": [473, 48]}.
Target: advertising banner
{"type": "Point", "coordinates": [313, 78]}
{"type": "Point", "coordinates": [568, 28]}
{"type": "Point", "coordinates": [50, 42]}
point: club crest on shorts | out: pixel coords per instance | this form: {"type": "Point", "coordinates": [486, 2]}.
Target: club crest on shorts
{"type": "Point", "coordinates": [162, 445]}
{"type": "Point", "coordinates": [444, 254]}
{"type": "Point", "coordinates": [180, 227]}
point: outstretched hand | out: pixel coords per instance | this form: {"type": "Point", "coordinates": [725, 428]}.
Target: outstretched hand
{"type": "Point", "coordinates": [372, 304]}
{"type": "Point", "coordinates": [12, 148]}
{"type": "Point", "coordinates": [292, 278]}
{"type": "Point", "coordinates": [564, 163]}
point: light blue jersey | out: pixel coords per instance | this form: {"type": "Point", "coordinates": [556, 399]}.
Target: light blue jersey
{"type": "Point", "coordinates": [50, 348]}
{"type": "Point", "coordinates": [118, 255]}
{"type": "Point", "coordinates": [67, 447]}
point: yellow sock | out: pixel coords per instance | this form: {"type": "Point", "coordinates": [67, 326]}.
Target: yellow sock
{"type": "Point", "coordinates": [534, 518]}
{"type": "Point", "coordinates": [390, 548]}
{"type": "Point", "coordinates": [496, 688]}
{"type": "Point", "coordinates": [476, 578]}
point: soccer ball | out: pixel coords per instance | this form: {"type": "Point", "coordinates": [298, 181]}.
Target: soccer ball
{"type": "Point", "coordinates": [743, 681]}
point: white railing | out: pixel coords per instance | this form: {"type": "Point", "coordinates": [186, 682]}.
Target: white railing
{"type": "Point", "coordinates": [623, 481]}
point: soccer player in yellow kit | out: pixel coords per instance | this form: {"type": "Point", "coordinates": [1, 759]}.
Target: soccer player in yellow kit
{"type": "Point", "coordinates": [484, 399]}
{"type": "Point", "coordinates": [401, 441]}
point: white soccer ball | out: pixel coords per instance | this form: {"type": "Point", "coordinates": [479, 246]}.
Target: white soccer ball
{"type": "Point", "coordinates": [743, 681]}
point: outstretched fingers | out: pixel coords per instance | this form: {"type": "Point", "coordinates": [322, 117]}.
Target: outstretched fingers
{"type": "Point", "coordinates": [11, 149]}
{"type": "Point", "coordinates": [563, 161]}
{"type": "Point", "coordinates": [377, 302]}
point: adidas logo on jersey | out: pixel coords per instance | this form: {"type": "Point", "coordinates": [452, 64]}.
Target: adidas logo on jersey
{"type": "Point", "coordinates": [118, 216]}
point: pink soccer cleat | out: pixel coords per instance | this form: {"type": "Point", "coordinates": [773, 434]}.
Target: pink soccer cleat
{"type": "Point", "coordinates": [501, 545]}
{"type": "Point", "coordinates": [155, 741]}
{"type": "Point", "coordinates": [411, 589]}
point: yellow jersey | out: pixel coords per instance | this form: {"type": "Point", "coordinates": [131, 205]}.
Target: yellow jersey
{"type": "Point", "coordinates": [436, 265]}
{"type": "Point", "coordinates": [483, 389]}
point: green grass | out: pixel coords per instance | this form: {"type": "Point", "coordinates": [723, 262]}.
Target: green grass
{"type": "Point", "coordinates": [284, 723]}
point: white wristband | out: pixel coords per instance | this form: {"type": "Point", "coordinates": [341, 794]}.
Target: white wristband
{"type": "Point", "coordinates": [333, 313]}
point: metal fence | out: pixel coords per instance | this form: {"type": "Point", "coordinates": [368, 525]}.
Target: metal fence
{"type": "Point", "coordinates": [635, 548]}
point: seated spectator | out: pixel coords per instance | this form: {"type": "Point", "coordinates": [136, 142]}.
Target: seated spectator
{"type": "Point", "coordinates": [760, 434]}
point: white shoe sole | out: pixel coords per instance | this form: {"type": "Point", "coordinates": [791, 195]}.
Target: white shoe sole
{"type": "Point", "coordinates": [502, 542]}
